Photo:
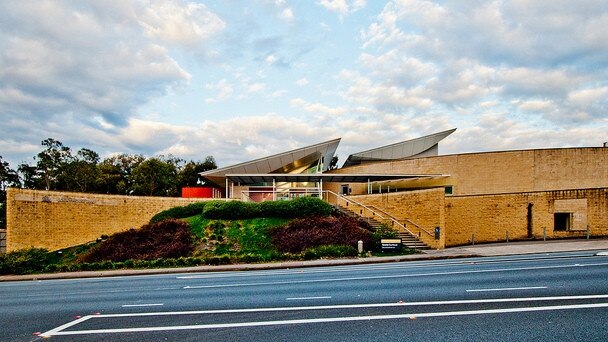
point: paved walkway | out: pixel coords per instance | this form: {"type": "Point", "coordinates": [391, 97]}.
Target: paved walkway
{"type": "Point", "coordinates": [530, 247]}
{"type": "Point", "coordinates": [496, 249]}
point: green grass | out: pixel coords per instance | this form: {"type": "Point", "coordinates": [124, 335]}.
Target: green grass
{"type": "Point", "coordinates": [246, 237]}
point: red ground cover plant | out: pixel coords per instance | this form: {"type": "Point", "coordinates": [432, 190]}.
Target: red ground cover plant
{"type": "Point", "coordinates": [164, 239]}
{"type": "Point", "coordinates": [302, 234]}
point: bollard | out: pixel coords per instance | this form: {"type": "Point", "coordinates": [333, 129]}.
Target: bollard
{"type": "Point", "coordinates": [473, 239]}
{"type": "Point", "coordinates": [507, 236]}
{"type": "Point", "coordinates": [360, 246]}
{"type": "Point", "coordinates": [545, 234]}
{"type": "Point", "coordinates": [587, 232]}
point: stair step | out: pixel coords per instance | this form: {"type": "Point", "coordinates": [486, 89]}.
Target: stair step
{"type": "Point", "coordinates": [408, 240]}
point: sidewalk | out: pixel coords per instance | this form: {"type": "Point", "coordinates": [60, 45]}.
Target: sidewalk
{"type": "Point", "coordinates": [530, 247]}
{"type": "Point", "coordinates": [495, 249]}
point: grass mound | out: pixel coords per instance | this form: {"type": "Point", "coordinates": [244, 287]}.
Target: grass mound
{"type": "Point", "coordinates": [302, 234]}
{"type": "Point", "coordinates": [166, 239]}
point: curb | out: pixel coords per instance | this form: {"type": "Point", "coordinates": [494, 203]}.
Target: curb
{"type": "Point", "coordinates": [232, 267]}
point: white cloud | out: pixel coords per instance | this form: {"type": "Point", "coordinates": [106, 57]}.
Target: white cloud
{"type": "Point", "coordinates": [586, 96]}
{"type": "Point", "coordinates": [174, 22]}
{"type": "Point", "coordinates": [317, 108]}
{"type": "Point", "coordinates": [256, 87]}
{"type": "Point", "coordinates": [224, 90]}
{"type": "Point", "coordinates": [302, 82]}
{"type": "Point", "coordinates": [74, 58]}
{"type": "Point", "coordinates": [342, 7]}
{"type": "Point", "coordinates": [287, 14]}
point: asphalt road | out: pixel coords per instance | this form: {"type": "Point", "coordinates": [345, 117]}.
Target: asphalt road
{"type": "Point", "coordinates": [545, 297]}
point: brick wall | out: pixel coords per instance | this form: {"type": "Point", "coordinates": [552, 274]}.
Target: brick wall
{"type": "Point", "coordinates": [503, 172]}
{"type": "Point", "coordinates": [55, 220]}
{"type": "Point", "coordinates": [490, 218]}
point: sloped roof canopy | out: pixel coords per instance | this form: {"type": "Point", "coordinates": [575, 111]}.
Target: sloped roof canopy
{"type": "Point", "coordinates": [423, 146]}
{"type": "Point", "coordinates": [248, 179]}
{"type": "Point", "coordinates": [294, 161]}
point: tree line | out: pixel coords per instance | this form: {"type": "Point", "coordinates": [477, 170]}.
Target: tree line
{"type": "Point", "coordinates": [58, 168]}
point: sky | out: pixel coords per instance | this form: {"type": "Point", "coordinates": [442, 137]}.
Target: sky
{"type": "Point", "coordinates": [240, 80]}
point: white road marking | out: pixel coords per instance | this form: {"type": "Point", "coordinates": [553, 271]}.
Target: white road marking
{"type": "Point", "coordinates": [57, 331]}
{"type": "Point", "coordinates": [140, 305]}
{"type": "Point", "coordinates": [308, 298]}
{"type": "Point", "coordinates": [508, 289]}
{"type": "Point", "coordinates": [350, 268]}
{"type": "Point", "coordinates": [390, 276]}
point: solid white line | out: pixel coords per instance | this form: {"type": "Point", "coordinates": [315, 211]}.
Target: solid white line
{"type": "Point", "coordinates": [508, 289]}
{"type": "Point", "coordinates": [65, 326]}
{"type": "Point", "coordinates": [390, 276]}
{"type": "Point", "coordinates": [338, 269]}
{"type": "Point", "coordinates": [330, 319]}
{"type": "Point", "coordinates": [307, 298]}
{"type": "Point", "coordinates": [352, 306]}
{"type": "Point", "coordinates": [139, 305]}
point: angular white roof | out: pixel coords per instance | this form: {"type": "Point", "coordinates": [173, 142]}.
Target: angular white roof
{"type": "Point", "coordinates": [426, 145]}
{"type": "Point", "coordinates": [286, 162]}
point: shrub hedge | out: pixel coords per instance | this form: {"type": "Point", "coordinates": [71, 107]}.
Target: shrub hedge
{"type": "Point", "coordinates": [166, 239]}
{"type": "Point", "coordinates": [25, 261]}
{"type": "Point", "coordinates": [330, 251]}
{"type": "Point", "coordinates": [296, 208]}
{"type": "Point", "coordinates": [302, 234]}
{"type": "Point", "coordinates": [179, 212]}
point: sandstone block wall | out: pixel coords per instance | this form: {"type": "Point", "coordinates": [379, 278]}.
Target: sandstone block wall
{"type": "Point", "coordinates": [490, 218]}
{"type": "Point", "coordinates": [503, 172]}
{"type": "Point", "coordinates": [56, 220]}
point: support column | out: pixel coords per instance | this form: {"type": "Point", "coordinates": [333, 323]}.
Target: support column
{"type": "Point", "coordinates": [321, 188]}
{"type": "Point", "coordinates": [274, 190]}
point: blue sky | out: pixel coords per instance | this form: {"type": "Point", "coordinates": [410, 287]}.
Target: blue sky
{"type": "Point", "coordinates": [245, 79]}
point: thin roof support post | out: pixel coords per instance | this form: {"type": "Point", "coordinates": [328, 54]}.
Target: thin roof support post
{"type": "Point", "coordinates": [274, 189]}
{"type": "Point", "coordinates": [226, 187]}
{"type": "Point", "coordinates": [369, 187]}
{"type": "Point", "coordinates": [321, 188]}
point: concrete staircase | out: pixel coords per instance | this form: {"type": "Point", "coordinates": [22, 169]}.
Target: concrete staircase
{"type": "Point", "coordinates": [408, 240]}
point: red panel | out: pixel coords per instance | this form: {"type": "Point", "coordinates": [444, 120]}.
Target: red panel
{"type": "Point", "coordinates": [198, 192]}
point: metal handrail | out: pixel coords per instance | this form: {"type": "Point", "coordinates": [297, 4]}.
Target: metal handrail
{"type": "Point", "coordinates": [374, 213]}
{"type": "Point", "coordinates": [406, 219]}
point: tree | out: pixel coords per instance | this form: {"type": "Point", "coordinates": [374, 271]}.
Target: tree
{"type": "Point", "coordinates": [115, 173]}
{"type": "Point", "coordinates": [189, 173]}
{"type": "Point", "coordinates": [30, 176]}
{"type": "Point", "coordinates": [156, 177]}
{"type": "Point", "coordinates": [8, 177]}
{"type": "Point", "coordinates": [81, 173]}
{"type": "Point", "coordinates": [52, 162]}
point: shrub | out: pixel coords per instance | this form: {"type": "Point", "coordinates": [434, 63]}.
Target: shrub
{"type": "Point", "coordinates": [235, 210]}
{"type": "Point", "coordinates": [25, 261]}
{"type": "Point", "coordinates": [165, 239]}
{"type": "Point", "coordinates": [310, 206]}
{"type": "Point", "coordinates": [330, 251]}
{"type": "Point", "coordinates": [231, 210]}
{"type": "Point", "coordinates": [301, 234]}
{"type": "Point", "coordinates": [179, 212]}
